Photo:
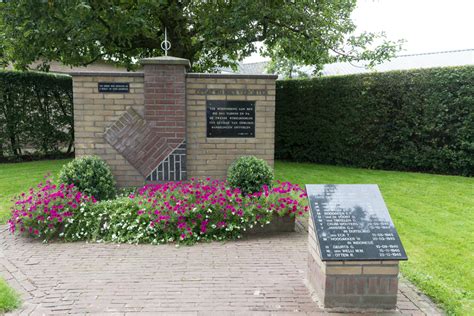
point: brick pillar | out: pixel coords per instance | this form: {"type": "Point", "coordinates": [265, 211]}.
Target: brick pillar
{"type": "Point", "coordinates": [165, 113]}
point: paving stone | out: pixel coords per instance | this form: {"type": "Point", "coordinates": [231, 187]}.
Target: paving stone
{"type": "Point", "coordinates": [262, 275]}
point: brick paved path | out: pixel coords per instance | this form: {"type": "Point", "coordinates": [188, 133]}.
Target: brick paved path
{"type": "Point", "coordinates": [263, 276]}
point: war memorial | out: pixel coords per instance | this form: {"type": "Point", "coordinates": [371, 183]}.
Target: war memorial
{"type": "Point", "coordinates": [167, 124]}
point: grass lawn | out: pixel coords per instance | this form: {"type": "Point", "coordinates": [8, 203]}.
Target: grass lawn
{"type": "Point", "coordinates": [17, 177]}
{"type": "Point", "coordinates": [434, 216]}
{"type": "Point", "coordinates": [9, 299]}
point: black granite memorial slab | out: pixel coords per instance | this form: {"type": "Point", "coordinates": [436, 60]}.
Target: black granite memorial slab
{"type": "Point", "coordinates": [233, 119]}
{"type": "Point", "coordinates": [114, 87]}
{"type": "Point", "coordinates": [352, 223]}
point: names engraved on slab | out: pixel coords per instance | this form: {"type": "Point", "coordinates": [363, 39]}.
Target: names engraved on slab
{"type": "Point", "coordinates": [352, 223]}
{"type": "Point", "coordinates": [230, 119]}
{"type": "Point", "coordinates": [114, 87]}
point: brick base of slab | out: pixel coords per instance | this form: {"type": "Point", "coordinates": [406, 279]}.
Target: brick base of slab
{"type": "Point", "coordinates": [277, 225]}
{"type": "Point", "coordinates": [351, 284]}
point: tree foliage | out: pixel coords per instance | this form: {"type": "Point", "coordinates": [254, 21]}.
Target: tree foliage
{"type": "Point", "coordinates": [208, 33]}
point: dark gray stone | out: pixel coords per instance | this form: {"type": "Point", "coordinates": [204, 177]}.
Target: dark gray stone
{"type": "Point", "coordinates": [278, 224]}
{"type": "Point", "coordinates": [367, 301]}
{"type": "Point", "coordinates": [352, 223]}
{"type": "Point", "coordinates": [230, 119]}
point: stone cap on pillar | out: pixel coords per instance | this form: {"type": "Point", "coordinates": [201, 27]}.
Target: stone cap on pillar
{"type": "Point", "coordinates": [166, 60]}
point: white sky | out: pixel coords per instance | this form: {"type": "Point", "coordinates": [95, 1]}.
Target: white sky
{"type": "Point", "coordinates": [426, 25]}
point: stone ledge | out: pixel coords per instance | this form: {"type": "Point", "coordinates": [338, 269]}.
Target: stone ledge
{"type": "Point", "coordinates": [166, 60]}
{"type": "Point", "coordinates": [106, 74]}
{"type": "Point", "coordinates": [229, 76]}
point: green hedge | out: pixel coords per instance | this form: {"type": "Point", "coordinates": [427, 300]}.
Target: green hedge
{"type": "Point", "coordinates": [419, 120]}
{"type": "Point", "coordinates": [35, 114]}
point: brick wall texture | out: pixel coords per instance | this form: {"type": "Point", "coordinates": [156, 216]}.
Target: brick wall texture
{"type": "Point", "coordinates": [95, 112]}
{"type": "Point", "coordinates": [212, 156]}
{"type": "Point", "coordinates": [351, 284]}
{"type": "Point", "coordinates": [165, 109]}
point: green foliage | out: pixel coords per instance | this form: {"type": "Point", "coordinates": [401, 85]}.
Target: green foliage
{"type": "Point", "coordinates": [9, 299]}
{"type": "Point", "coordinates": [285, 67]}
{"type": "Point", "coordinates": [420, 120]}
{"type": "Point", "coordinates": [249, 174]}
{"type": "Point", "coordinates": [208, 33]}
{"type": "Point", "coordinates": [91, 175]}
{"type": "Point", "coordinates": [35, 113]}
{"type": "Point", "coordinates": [110, 220]}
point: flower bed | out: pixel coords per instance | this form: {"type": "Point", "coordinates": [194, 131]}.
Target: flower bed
{"type": "Point", "coordinates": [183, 212]}
{"type": "Point", "coordinates": [42, 211]}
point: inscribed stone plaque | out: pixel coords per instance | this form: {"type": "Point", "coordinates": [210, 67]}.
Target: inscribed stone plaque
{"type": "Point", "coordinates": [230, 119]}
{"type": "Point", "coordinates": [352, 223]}
{"type": "Point", "coordinates": [114, 87]}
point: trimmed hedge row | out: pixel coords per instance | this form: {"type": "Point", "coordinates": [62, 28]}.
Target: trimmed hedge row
{"type": "Point", "coordinates": [36, 114]}
{"type": "Point", "coordinates": [418, 120]}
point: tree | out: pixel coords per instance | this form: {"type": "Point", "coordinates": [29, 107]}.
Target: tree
{"type": "Point", "coordinates": [285, 67]}
{"type": "Point", "coordinates": [208, 33]}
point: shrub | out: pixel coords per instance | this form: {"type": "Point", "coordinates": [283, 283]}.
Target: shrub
{"type": "Point", "coordinates": [249, 174]}
{"type": "Point", "coordinates": [418, 120]}
{"type": "Point", "coordinates": [36, 114]}
{"type": "Point", "coordinates": [91, 175]}
{"type": "Point", "coordinates": [43, 211]}
{"type": "Point", "coordinates": [182, 212]}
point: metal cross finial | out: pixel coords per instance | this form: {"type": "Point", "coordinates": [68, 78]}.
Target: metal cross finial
{"type": "Point", "coordinates": [166, 45]}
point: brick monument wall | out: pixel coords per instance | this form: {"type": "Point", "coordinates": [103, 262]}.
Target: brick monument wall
{"type": "Point", "coordinates": [94, 112]}
{"type": "Point", "coordinates": [157, 130]}
{"type": "Point", "coordinates": [212, 156]}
